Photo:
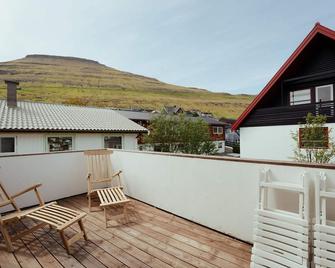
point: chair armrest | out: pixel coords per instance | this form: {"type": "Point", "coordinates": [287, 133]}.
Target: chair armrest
{"type": "Point", "coordinates": [26, 190]}
{"type": "Point", "coordinates": [117, 173]}
{"type": "Point", "coordinates": [5, 203]}
{"type": "Point", "coordinates": [34, 187]}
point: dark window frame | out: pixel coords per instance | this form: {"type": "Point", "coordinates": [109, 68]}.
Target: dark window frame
{"type": "Point", "coordinates": [61, 146]}
{"type": "Point", "coordinates": [324, 85]}
{"type": "Point", "coordinates": [111, 136]}
{"type": "Point", "coordinates": [14, 144]}
{"type": "Point", "coordinates": [294, 103]}
{"type": "Point", "coordinates": [325, 140]}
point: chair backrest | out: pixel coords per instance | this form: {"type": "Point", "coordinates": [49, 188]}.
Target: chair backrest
{"type": "Point", "coordinates": [5, 199]}
{"type": "Point", "coordinates": [99, 166]}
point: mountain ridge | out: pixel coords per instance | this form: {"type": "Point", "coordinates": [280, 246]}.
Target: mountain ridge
{"type": "Point", "coordinates": [81, 81]}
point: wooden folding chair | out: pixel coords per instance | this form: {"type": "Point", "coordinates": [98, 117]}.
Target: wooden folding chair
{"type": "Point", "coordinates": [281, 238]}
{"type": "Point", "coordinates": [100, 181]}
{"type": "Point", "coordinates": [55, 216]}
{"type": "Point", "coordinates": [324, 228]}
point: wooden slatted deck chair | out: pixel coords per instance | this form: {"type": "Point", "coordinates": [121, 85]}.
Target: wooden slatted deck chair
{"type": "Point", "coordinates": [55, 216]}
{"type": "Point", "coordinates": [100, 172]}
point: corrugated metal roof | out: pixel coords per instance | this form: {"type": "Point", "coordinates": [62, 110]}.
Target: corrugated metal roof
{"type": "Point", "coordinates": [34, 116]}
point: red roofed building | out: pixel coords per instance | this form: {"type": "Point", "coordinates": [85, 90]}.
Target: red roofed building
{"type": "Point", "coordinates": [305, 83]}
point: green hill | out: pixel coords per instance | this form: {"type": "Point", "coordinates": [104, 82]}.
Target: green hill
{"type": "Point", "coordinates": [71, 80]}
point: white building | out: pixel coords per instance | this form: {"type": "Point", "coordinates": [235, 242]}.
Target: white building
{"type": "Point", "coordinates": [305, 83]}
{"type": "Point", "coordinates": [32, 127]}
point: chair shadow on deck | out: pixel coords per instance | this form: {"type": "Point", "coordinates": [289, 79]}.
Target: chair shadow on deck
{"type": "Point", "coordinates": [40, 242]}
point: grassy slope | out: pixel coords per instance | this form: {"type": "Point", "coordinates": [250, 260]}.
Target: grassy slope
{"type": "Point", "coordinates": [84, 82]}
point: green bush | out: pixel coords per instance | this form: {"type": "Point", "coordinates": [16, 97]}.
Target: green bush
{"type": "Point", "coordinates": [180, 134]}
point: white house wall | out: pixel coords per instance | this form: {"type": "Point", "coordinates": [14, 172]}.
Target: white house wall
{"type": "Point", "coordinates": [130, 142]}
{"type": "Point", "coordinates": [270, 142]}
{"type": "Point", "coordinates": [87, 141]}
{"type": "Point", "coordinates": [36, 142]}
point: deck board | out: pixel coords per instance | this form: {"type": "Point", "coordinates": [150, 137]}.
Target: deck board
{"type": "Point", "coordinates": [145, 237]}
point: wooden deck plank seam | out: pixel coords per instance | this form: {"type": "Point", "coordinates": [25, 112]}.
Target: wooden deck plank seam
{"type": "Point", "coordinates": [69, 203]}
{"type": "Point", "coordinates": [127, 241]}
{"type": "Point", "coordinates": [79, 207]}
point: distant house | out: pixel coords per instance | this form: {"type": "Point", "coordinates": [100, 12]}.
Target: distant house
{"type": "Point", "coordinates": [172, 110]}
{"type": "Point", "coordinates": [143, 118]}
{"type": "Point", "coordinates": [216, 128]}
{"type": "Point", "coordinates": [305, 83]}
{"type": "Point", "coordinates": [32, 127]}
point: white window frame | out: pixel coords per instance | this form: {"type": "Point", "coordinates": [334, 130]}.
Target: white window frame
{"type": "Point", "coordinates": [331, 92]}
{"type": "Point", "coordinates": [216, 128]}
{"type": "Point", "coordinates": [113, 135]}
{"type": "Point", "coordinates": [294, 103]}
{"type": "Point", "coordinates": [15, 144]}
{"type": "Point", "coordinates": [59, 135]}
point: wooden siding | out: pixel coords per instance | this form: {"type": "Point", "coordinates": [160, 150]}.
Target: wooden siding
{"type": "Point", "coordinates": [216, 137]}
{"type": "Point", "coordinates": [315, 66]}
{"type": "Point", "coordinates": [289, 115]}
{"type": "Point", "coordinates": [146, 237]}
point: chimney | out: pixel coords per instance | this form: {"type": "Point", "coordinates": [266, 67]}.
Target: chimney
{"type": "Point", "coordinates": [11, 92]}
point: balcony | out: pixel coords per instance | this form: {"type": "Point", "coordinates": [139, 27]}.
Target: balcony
{"type": "Point", "coordinates": [189, 211]}
{"type": "Point", "coordinates": [288, 115]}
{"type": "Point", "coordinates": [147, 237]}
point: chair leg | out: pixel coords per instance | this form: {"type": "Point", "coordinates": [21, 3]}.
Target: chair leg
{"type": "Point", "coordinates": [105, 212]}
{"type": "Point", "coordinates": [7, 238]}
{"type": "Point", "coordinates": [61, 232]}
{"type": "Point", "coordinates": [81, 226]}
{"type": "Point", "coordinates": [89, 203]}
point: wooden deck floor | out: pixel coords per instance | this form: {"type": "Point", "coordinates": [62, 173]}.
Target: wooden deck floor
{"type": "Point", "coordinates": [147, 237]}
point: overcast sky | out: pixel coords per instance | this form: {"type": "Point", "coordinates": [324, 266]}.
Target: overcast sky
{"type": "Point", "coordinates": [233, 46]}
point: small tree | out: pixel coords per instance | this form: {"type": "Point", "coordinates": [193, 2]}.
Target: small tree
{"type": "Point", "coordinates": [313, 141]}
{"type": "Point", "coordinates": [180, 134]}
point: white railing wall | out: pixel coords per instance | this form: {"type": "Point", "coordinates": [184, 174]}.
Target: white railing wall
{"type": "Point", "coordinates": [219, 194]}
{"type": "Point", "coordinates": [215, 192]}
{"type": "Point", "coordinates": [61, 175]}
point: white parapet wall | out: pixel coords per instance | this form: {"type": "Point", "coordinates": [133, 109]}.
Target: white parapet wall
{"type": "Point", "coordinates": [217, 192]}
{"type": "Point", "coordinates": [61, 174]}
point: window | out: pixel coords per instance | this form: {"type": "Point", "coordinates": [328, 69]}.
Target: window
{"type": "Point", "coordinates": [324, 93]}
{"type": "Point", "coordinates": [7, 145]}
{"type": "Point", "coordinates": [218, 130]}
{"type": "Point", "coordinates": [113, 142]}
{"type": "Point", "coordinates": [313, 138]}
{"type": "Point", "coordinates": [56, 144]}
{"type": "Point", "coordinates": [300, 97]}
